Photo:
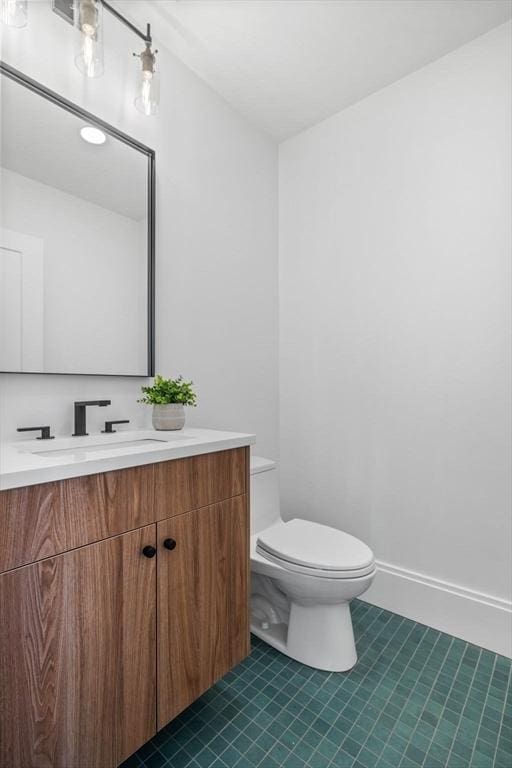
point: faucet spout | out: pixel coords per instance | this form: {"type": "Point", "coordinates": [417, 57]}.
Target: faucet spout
{"type": "Point", "coordinates": [80, 415]}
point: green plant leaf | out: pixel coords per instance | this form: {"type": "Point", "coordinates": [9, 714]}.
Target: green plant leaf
{"type": "Point", "coordinates": [164, 391]}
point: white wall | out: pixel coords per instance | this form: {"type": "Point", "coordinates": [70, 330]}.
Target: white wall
{"type": "Point", "coordinates": [395, 335]}
{"type": "Point", "coordinates": [216, 240]}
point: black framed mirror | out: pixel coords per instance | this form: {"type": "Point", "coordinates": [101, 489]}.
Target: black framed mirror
{"type": "Point", "coordinates": [77, 239]}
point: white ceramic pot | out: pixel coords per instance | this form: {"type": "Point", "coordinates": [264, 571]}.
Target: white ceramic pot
{"type": "Point", "coordinates": [169, 416]}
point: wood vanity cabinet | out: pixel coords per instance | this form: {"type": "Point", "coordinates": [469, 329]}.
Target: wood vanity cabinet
{"type": "Point", "coordinates": [103, 643]}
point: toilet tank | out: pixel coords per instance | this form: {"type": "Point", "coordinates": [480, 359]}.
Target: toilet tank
{"type": "Point", "coordinates": [264, 494]}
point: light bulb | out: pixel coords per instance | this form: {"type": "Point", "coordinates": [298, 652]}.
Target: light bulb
{"type": "Point", "coordinates": [88, 55]}
{"type": "Point", "coordinates": [145, 94]}
{"type": "Point", "coordinates": [88, 19]}
{"type": "Point", "coordinates": [14, 13]}
{"type": "Point", "coordinates": [147, 98]}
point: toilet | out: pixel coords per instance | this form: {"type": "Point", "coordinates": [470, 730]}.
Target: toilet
{"type": "Point", "coordinates": [303, 577]}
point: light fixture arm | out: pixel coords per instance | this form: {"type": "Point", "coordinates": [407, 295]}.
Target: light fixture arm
{"type": "Point", "coordinates": [119, 16]}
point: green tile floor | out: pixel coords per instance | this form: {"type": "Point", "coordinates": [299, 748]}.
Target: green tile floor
{"type": "Point", "coordinates": [417, 697]}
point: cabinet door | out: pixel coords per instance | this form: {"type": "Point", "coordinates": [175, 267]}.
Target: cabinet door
{"type": "Point", "coordinates": [77, 656]}
{"type": "Point", "coordinates": [202, 596]}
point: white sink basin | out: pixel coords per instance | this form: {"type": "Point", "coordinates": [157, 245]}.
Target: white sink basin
{"type": "Point", "coordinates": [90, 447]}
{"type": "Point", "coordinates": [121, 445]}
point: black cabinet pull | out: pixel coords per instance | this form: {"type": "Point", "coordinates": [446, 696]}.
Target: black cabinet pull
{"type": "Point", "coordinates": [149, 551]}
{"type": "Point", "coordinates": [169, 543]}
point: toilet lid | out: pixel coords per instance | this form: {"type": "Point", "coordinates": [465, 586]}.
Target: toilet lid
{"type": "Point", "coordinates": [315, 546]}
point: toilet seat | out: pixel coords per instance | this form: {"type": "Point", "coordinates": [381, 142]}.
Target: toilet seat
{"type": "Point", "coordinates": [314, 549]}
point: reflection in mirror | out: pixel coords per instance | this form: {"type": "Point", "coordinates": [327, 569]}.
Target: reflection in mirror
{"type": "Point", "coordinates": [75, 215]}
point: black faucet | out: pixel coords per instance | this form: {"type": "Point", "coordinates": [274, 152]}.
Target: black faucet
{"type": "Point", "coordinates": [80, 407]}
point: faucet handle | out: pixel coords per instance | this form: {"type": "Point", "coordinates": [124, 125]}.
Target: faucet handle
{"type": "Point", "coordinates": [45, 432]}
{"type": "Point", "coordinates": [108, 425]}
{"type": "Point", "coordinates": [101, 403]}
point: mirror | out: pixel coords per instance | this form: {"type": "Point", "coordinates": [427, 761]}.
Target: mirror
{"type": "Point", "coordinates": [76, 239]}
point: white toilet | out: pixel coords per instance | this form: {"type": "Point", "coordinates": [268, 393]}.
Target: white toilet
{"type": "Point", "coordinates": [303, 576]}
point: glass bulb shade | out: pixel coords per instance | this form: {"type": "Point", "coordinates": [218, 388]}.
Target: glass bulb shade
{"type": "Point", "coordinates": [89, 37]}
{"type": "Point", "coordinates": [14, 13]}
{"type": "Point", "coordinates": [148, 92]}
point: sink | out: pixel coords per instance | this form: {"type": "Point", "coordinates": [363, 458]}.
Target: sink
{"type": "Point", "coordinates": [107, 446]}
{"type": "Point", "coordinates": [94, 447]}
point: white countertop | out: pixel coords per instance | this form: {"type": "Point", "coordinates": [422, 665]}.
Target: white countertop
{"type": "Point", "coordinates": [22, 463]}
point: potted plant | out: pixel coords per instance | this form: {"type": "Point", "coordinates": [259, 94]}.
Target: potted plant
{"type": "Point", "coordinates": [168, 398]}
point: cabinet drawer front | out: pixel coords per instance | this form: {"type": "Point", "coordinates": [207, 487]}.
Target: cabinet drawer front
{"type": "Point", "coordinates": [185, 484]}
{"type": "Point", "coordinates": [43, 520]}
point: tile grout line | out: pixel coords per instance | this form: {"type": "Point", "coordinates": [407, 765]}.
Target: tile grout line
{"type": "Point", "coordinates": [391, 691]}
{"type": "Point", "coordinates": [502, 721]}
{"type": "Point", "coordinates": [425, 662]}
{"type": "Point", "coordinates": [445, 707]}
{"type": "Point", "coordinates": [398, 682]}
{"type": "Point", "coordinates": [483, 707]}
{"type": "Point", "coordinates": [427, 699]}
{"type": "Point", "coordinates": [450, 750]}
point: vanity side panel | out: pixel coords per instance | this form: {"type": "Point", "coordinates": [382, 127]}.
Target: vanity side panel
{"type": "Point", "coordinates": [185, 484]}
{"type": "Point", "coordinates": [44, 520]}
{"type": "Point", "coordinates": [239, 582]}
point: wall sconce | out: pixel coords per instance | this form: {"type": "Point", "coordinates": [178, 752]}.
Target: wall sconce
{"type": "Point", "coordinates": [14, 13]}
{"type": "Point", "coordinates": [148, 86]}
{"type": "Point", "coordinates": [88, 15]}
{"type": "Point", "coordinates": [148, 94]}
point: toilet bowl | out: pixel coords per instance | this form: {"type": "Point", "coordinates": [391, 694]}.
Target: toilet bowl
{"type": "Point", "coordinates": [303, 576]}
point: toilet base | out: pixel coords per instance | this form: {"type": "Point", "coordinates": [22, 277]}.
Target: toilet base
{"type": "Point", "coordinates": [320, 636]}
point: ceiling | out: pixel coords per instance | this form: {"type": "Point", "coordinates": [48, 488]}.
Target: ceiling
{"type": "Point", "coordinates": [287, 64]}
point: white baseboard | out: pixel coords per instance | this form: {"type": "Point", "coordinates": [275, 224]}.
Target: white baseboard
{"type": "Point", "coordinates": [473, 616]}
